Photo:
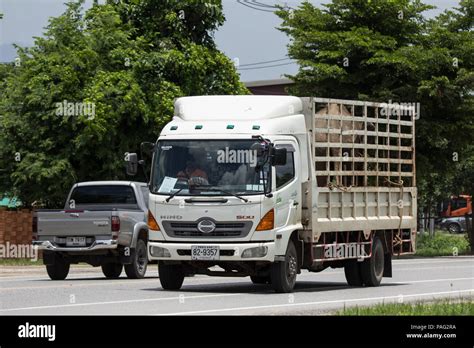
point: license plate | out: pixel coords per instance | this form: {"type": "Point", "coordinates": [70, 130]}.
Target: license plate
{"type": "Point", "coordinates": [76, 241]}
{"type": "Point", "coordinates": [204, 252]}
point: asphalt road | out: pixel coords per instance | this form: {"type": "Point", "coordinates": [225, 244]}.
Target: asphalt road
{"type": "Point", "coordinates": [28, 291]}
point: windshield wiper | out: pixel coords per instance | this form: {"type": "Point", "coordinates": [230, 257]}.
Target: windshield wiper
{"type": "Point", "coordinates": [170, 197]}
{"type": "Point", "coordinates": [216, 189]}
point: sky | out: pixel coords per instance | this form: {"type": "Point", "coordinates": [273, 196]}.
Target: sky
{"type": "Point", "coordinates": [248, 36]}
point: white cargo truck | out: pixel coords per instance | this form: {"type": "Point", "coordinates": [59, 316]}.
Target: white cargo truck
{"type": "Point", "coordinates": [266, 186]}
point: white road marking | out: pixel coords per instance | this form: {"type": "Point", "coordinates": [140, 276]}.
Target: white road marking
{"type": "Point", "coordinates": [87, 275]}
{"type": "Point", "coordinates": [117, 302]}
{"type": "Point", "coordinates": [384, 298]}
{"type": "Point", "coordinates": [430, 281]}
{"type": "Point", "coordinates": [469, 259]}
{"type": "Point", "coordinates": [90, 283]}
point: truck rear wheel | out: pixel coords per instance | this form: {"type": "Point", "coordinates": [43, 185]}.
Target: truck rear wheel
{"type": "Point", "coordinates": [283, 274]}
{"type": "Point", "coordinates": [353, 273]}
{"type": "Point", "coordinates": [112, 270]}
{"type": "Point", "coordinates": [171, 276]}
{"type": "Point", "coordinates": [371, 269]}
{"type": "Point", "coordinates": [137, 269]}
{"type": "Point", "coordinates": [59, 270]}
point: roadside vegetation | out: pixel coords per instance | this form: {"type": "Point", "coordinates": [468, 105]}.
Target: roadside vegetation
{"type": "Point", "coordinates": [20, 262]}
{"type": "Point", "coordinates": [462, 306]}
{"type": "Point", "coordinates": [442, 244]}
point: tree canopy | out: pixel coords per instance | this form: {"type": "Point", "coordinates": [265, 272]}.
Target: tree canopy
{"type": "Point", "coordinates": [389, 51]}
{"type": "Point", "coordinates": [97, 84]}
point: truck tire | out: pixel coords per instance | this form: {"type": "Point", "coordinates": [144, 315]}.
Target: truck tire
{"type": "Point", "coordinates": [171, 276]}
{"type": "Point", "coordinates": [112, 270]}
{"type": "Point", "coordinates": [59, 270]}
{"type": "Point", "coordinates": [283, 274]}
{"type": "Point", "coordinates": [371, 269]}
{"type": "Point", "coordinates": [260, 280]}
{"type": "Point", "coordinates": [137, 269]}
{"type": "Point", "coordinates": [353, 273]}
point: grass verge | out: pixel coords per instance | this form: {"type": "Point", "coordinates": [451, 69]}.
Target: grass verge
{"type": "Point", "coordinates": [442, 244]}
{"type": "Point", "coordinates": [20, 262]}
{"type": "Point", "coordinates": [461, 306]}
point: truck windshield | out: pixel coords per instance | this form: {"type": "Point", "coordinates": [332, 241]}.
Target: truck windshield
{"type": "Point", "coordinates": [209, 167]}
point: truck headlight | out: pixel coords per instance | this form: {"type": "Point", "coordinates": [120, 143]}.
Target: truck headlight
{"type": "Point", "coordinates": [159, 252]}
{"type": "Point", "coordinates": [260, 251]}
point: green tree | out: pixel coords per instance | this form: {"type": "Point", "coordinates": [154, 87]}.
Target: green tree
{"type": "Point", "coordinates": [115, 67]}
{"type": "Point", "coordinates": [387, 50]}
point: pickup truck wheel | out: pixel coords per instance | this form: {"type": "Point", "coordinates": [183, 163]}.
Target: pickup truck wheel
{"type": "Point", "coordinates": [260, 280]}
{"type": "Point", "coordinates": [372, 268]}
{"type": "Point", "coordinates": [59, 270]}
{"type": "Point", "coordinates": [112, 270]}
{"type": "Point", "coordinates": [137, 269]}
{"type": "Point", "coordinates": [283, 274]}
{"type": "Point", "coordinates": [353, 273]}
{"type": "Point", "coordinates": [171, 276]}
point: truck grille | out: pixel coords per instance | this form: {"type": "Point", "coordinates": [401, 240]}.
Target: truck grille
{"type": "Point", "coordinates": [229, 229]}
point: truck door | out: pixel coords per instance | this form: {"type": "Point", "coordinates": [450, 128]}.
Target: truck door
{"type": "Point", "coordinates": [286, 186]}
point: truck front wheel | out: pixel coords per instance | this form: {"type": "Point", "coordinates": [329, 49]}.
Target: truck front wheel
{"type": "Point", "coordinates": [371, 269]}
{"type": "Point", "coordinates": [112, 270]}
{"type": "Point", "coordinates": [137, 269]}
{"type": "Point", "coordinates": [171, 276]}
{"type": "Point", "coordinates": [283, 274]}
{"type": "Point", "coordinates": [59, 270]}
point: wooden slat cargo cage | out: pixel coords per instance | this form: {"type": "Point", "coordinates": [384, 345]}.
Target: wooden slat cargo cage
{"type": "Point", "coordinates": [364, 159]}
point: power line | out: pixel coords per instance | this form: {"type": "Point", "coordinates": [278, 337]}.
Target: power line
{"type": "Point", "coordinates": [265, 62]}
{"type": "Point", "coordinates": [254, 8]}
{"type": "Point", "coordinates": [260, 4]}
{"type": "Point", "coordinates": [267, 66]}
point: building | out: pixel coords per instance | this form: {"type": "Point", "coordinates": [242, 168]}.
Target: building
{"type": "Point", "coordinates": [269, 87]}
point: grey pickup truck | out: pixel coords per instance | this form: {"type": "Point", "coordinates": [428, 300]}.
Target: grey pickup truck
{"type": "Point", "coordinates": [103, 223]}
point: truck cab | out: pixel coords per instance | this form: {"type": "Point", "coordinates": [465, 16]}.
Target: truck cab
{"type": "Point", "coordinates": [225, 185]}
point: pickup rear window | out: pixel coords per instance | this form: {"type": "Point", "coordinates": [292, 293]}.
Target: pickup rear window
{"type": "Point", "coordinates": [106, 194]}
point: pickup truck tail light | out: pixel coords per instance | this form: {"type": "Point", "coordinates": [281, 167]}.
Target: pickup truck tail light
{"type": "Point", "coordinates": [115, 224]}
{"type": "Point", "coordinates": [35, 228]}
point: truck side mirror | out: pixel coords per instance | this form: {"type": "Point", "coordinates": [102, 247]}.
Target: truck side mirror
{"type": "Point", "coordinates": [132, 163]}
{"type": "Point", "coordinates": [278, 157]}
{"type": "Point", "coordinates": [258, 148]}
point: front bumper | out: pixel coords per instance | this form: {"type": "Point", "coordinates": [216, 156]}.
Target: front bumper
{"type": "Point", "coordinates": [176, 251]}
{"type": "Point", "coordinates": [97, 245]}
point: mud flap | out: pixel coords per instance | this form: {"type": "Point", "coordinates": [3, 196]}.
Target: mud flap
{"type": "Point", "coordinates": [387, 265]}
{"type": "Point", "coordinates": [126, 255]}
